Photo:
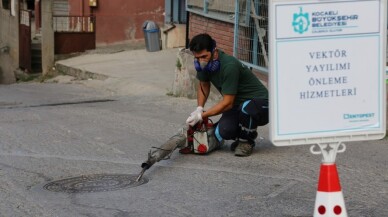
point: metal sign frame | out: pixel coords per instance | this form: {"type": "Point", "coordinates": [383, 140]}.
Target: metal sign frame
{"type": "Point", "coordinates": [327, 71]}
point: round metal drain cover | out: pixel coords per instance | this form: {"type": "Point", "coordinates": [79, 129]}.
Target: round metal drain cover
{"type": "Point", "coordinates": [95, 183]}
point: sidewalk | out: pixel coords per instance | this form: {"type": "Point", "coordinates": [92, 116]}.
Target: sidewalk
{"type": "Point", "coordinates": [127, 72]}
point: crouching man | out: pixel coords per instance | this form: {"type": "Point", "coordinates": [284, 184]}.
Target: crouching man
{"type": "Point", "coordinates": [244, 104]}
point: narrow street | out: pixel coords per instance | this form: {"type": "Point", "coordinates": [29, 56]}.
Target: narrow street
{"type": "Point", "coordinates": [73, 146]}
{"type": "Point", "coordinates": [53, 132]}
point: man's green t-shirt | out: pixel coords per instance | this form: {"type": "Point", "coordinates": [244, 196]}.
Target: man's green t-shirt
{"type": "Point", "coordinates": [235, 78]}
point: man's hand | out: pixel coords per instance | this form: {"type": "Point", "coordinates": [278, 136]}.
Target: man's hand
{"type": "Point", "coordinates": [195, 116]}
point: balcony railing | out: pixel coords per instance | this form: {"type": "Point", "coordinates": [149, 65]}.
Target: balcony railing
{"type": "Point", "coordinates": [74, 23]}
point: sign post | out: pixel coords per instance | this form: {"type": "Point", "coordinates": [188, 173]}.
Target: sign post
{"type": "Point", "coordinates": [327, 78]}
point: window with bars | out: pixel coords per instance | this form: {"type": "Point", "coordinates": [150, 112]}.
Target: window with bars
{"type": "Point", "coordinates": [223, 10]}
{"type": "Point", "coordinates": [6, 4]}
{"type": "Point", "coordinates": [250, 19]}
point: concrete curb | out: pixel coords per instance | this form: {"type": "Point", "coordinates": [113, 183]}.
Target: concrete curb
{"type": "Point", "coordinates": [79, 73]}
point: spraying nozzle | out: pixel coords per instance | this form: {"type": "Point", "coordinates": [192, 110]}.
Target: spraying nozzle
{"type": "Point", "coordinates": [163, 152]}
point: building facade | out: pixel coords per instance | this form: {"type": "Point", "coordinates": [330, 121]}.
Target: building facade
{"type": "Point", "coordinates": [9, 40]}
{"type": "Point", "coordinates": [121, 22]}
{"type": "Point", "coordinates": [115, 23]}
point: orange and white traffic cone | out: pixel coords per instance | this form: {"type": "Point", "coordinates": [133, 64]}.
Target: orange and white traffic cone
{"type": "Point", "coordinates": [329, 200]}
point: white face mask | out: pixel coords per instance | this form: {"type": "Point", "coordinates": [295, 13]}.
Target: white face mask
{"type": "Point", "coordinates": [203, 64]}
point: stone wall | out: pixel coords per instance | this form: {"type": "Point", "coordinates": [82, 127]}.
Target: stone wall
{"type": "Point", "coordinates": [185, 82]}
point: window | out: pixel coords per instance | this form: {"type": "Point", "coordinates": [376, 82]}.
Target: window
{"type": "Point", "coordinates": [5, 4]}
{"type": "Point", "coordinates": [224, 10]}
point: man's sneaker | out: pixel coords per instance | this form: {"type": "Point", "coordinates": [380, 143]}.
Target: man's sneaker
{"type": "Point", "coordinates": [234, 145]}
{"type": "Point", "coordinates": [243, 149]}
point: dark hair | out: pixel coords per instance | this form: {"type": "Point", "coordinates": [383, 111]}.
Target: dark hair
{"type": "Point", "coordinates": [201, 42]}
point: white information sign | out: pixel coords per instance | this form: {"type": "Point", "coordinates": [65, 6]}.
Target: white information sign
{"type": "Point", "coordinates": [327, 71]}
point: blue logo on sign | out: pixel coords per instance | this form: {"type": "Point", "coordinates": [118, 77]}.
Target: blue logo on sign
{"type": "Point", "coordinates": [301, 22]}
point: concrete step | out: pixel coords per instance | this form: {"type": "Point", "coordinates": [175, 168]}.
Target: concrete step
{"type": "Point", "coordinates": [37, 53]}
{"type": "Point", "coordinates": [79, 73]}
{"type": "Point", "coordinates": [36, 46]}
{"type": "Point", "coordinates": [36, 66]}
{"type": "Point", "coordinates": [36, 57]}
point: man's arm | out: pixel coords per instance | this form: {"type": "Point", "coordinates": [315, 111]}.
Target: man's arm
{"type": "Point", "coordinates": [203, 92]}
{"type": "Point", "coordinates": [225, 104]}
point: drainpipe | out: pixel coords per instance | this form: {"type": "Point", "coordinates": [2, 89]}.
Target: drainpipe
{"type": "Point", "coordinates": [170, 28]}
{"type": "Point", "coordinates": [187, 29]}
{"type": "Point", "coordinates": [236, 22]}
{"type": "Point", "coordinates": [82, 8]}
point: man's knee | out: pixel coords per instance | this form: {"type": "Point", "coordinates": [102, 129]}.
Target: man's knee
{"type": "Point", "coordinates": [226, 132]}
{"type": "Point", "coordinates": [254, 113]}
{"type": "Point", "coordinates": [263, 119]}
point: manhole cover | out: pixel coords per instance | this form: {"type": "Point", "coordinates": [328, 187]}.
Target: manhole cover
{"type": "Point", "coordinates": [95, 183]}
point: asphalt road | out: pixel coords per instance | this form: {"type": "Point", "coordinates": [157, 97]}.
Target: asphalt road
{"type": "Point", "coordinates": [52, 132]}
